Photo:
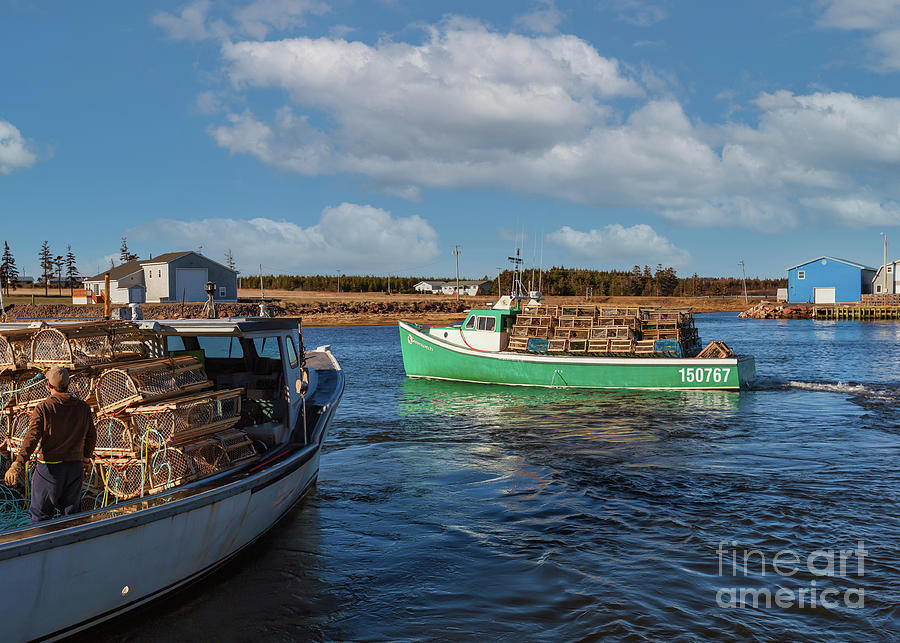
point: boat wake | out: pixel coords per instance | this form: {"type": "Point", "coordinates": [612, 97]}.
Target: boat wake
{"type": "Point", "coordinates": [853, 389]}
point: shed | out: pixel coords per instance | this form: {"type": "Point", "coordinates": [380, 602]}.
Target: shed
{"type": "Point", "coordinates": [827, 280]}
{"type": "Point", "coordinates": [174, 276]}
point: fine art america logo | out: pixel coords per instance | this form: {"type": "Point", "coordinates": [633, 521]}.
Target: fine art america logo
{"type": "Point", "coordinates": [825, 564]}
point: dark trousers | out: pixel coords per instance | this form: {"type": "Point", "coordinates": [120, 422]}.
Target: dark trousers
{"type": "Point", "coordinates": [55, 487]}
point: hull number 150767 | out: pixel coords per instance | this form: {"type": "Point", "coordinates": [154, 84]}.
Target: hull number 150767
{"type": "Point", "coordinates": [704, 375]}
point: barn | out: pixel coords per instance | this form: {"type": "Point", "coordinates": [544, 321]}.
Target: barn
{"type": "Point", "coordinates": [827, 280]}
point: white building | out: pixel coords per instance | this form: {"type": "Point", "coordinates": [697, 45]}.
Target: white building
{"type": "Point", "coordinates": [171, 277]}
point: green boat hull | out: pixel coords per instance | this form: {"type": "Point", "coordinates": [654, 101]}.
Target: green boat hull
{"type": "Point", "coordinates": [430, 357]}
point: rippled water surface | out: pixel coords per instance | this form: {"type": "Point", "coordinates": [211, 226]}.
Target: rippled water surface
{"type": "Point", "coordinates": [470, 512]}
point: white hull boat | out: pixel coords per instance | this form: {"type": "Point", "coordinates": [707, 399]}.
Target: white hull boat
{"type": "Point", "coordinates": [68, 574]}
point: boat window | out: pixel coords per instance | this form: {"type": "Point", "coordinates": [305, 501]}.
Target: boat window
{"type": "Point", "coordinates": [267, 347]}
{"type": "Point", "coordinates": [470, 322]}
{"type": "Point", "coordinates": [486, 323]}
{"type": "Point", "coordinates": [226, 347]}
{"type": "Point", "coordinates": [291, 351]}
{"type": "Point", "coordinates": [174, 343]}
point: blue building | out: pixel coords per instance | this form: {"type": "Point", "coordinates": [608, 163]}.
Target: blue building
{"type": "Point", "coordinates": [827, 280]}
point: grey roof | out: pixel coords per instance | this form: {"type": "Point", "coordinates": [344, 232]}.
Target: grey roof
{"type": "Point", "coordinates": [849, 263]}
{"type": "Point", "coordinates": [167, 257]}
{"type": "Point", "coordinates": [132, 267]}
{"type": "Point", "coordinates": [116, 273]}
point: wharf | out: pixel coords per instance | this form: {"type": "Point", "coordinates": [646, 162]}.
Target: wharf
{"type": "Point", "coordinates": [856, 312]}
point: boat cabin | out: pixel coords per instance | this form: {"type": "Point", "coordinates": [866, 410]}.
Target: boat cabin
{"type": "Point", "coordinates": [485, 329]}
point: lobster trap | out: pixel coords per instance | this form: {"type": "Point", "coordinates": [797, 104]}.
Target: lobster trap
{"type": "Point", "coordinates": [8, 386]}
{"type": "Point", "coordinates": [80, 345]}
{"type": "Point", "coordinates": [32, 387]}
{"type": "Point", "coordinates": [15, 348]}
{"type": "Point", "coordinates": [114, 438]}
{"type": "Point", "coordinates": [18, 427]}
{"type": "Point", "coordinates": [188, 417]}
{"type": "Point", "coordinates": [148, 381]}
{"type": "Point", "coordinates": [238, 446]}
{"type": "Point", "coordinates": [114, 479]}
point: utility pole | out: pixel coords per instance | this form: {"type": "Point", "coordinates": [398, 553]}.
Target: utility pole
{"type": "Point", "coordinates": [884, 267]}
{"type": "Point", "coordinates": [744, 276]}
{"type": "Point", "coordinates": [339, 280]}
{"type": "Point", "coordinates": [262, 291]}
{"type": "Point", "coordinates": [389, 284]}
{"type": "Point", "coordinates": [456, 252]}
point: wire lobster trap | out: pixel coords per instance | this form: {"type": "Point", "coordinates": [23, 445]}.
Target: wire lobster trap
{"type": "Point", "coordinates": [148, 381]}
{"type": "Point", "coordinates": [207, 457]}
{"type": "Point", "coordinates": [114, 479]}
{"type": "Point", "coordinates": [18, 427]}
{"type": "Point", "coordinates": [187, 417]}
{"type": "Point", "coordinates": [114, 438]}
{"type": "Point", "coordinates": [168, 467]}
{"type": "Point", "coordinates": [15, 348]}
{"type": "Point", "coordinates": [80, 345]}
{"type": "Point", "coordinates": [32, 388]}
{"type": "Point", "coordinates": [238, 446]}
{"type": "Point", "coordinates": [8, 386]}
{"type": "Point", "coordinates": [5, 424]}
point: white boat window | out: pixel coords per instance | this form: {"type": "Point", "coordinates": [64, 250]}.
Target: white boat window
{"type": "Point", "coordinates": [291, 351]}
{"type": "Point", "coordinates": [486, 323]}
{"type": "Point", "coordinates": [470, 322]}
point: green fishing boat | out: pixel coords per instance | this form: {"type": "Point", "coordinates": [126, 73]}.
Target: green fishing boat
{"type": "Point", "coordinates": [530, 344]}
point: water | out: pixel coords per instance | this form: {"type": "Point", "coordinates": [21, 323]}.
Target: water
{"type": "Point", "coordinates": [467, 512]}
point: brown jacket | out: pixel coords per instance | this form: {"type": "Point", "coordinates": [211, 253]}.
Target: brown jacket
{"type": "Point", "coordinates": [63, 426]}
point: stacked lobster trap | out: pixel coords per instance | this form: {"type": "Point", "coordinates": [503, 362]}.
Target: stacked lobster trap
{"type": "Point", "coordinates": [601, 330]}
{"type": "Point", "coordinates": [159, 422]}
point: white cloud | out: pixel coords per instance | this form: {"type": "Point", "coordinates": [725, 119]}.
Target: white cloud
{"type": "Point", "coordinates": [881, 18]}
{"type": "Point", "coordinates": [550, 116]}
{"type": "Point", "coordinates": [639, 13]}
{"type": "Point", "coordinates": [617, 245]}
{"type": "Point", "coordinates": [254, 19]}
{"type": "Point", "coordinates": [354, 238]}
{"type": "Point", "coordinates": [543, 20]}
{"type": "Point", "coordinates": [14, 152]}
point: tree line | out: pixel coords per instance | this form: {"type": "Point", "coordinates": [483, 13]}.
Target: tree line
{"type": "Point", "coordinates": [558, 280]}
{"type": "Point", "coordinates": [60, 269]}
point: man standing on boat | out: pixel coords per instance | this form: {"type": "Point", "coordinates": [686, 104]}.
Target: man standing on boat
{"type": "Point", "coordinates": [64, 427]}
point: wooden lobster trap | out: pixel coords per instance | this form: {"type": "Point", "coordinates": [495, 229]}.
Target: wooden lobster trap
{"type": "Point", "coordinates": [188, 417]}
{"type": "Point", "coordinates": [114, 479]}
{"type": "Point", "coordinates": [148, 381]}
{"type": "Point", "coordinates": [80, 345]}
{"type": "Point", "coordinates": [238, 446]}
{"type": "Point", "coordinates": [15, 348]}
{"type": "Point", "coordinates": [8, 386]}
{"type": "Point", "coordinates": [115, 438]}
{"type": "Point", "coordinates": [32, 387]}
{"type": "Point", "coordinates": [18, 427]}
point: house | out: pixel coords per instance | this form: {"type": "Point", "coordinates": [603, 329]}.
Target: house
{"type": "Point", "coordinates": [469, 288]}
{"type": "Point", "coordinates": [171, 277]}
{"type": "Point", "coordinates": [889, 285]}
{"type": "Point", "coordinates": [430, 287]}
{"type": "Point", "coordinates": [826, 280]}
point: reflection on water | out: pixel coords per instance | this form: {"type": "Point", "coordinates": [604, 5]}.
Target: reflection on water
{"type": "Point", "coordinates": [458, 511]}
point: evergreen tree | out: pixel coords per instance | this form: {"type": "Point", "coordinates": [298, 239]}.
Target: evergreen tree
{"type": "Point", "coordinates": [9, 274]}
{"type": "Point", "coordinates": [71, 269]}
{"type": "Point", "coordinates": [45, 258]}
{"type": "Point", "coordinates": [124, 254]}
{"type": "Point", "coordinates": [58, 266]}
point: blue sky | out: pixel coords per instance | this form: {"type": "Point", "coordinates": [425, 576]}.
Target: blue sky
{"type": "Point", "coordinates": [372, 137]}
